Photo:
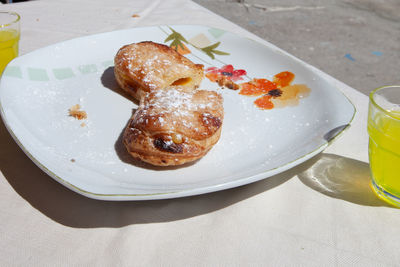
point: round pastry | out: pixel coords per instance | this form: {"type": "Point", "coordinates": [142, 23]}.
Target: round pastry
{"type": "Point", "coordinates": [142, 67]}
{"type": "Point", "coordinates": [173, 127]}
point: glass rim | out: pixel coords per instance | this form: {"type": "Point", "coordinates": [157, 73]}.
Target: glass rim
{"type": "Point", "coordinates": [371, 98]}
{"type": "Point", "coordinates": [18, 17]}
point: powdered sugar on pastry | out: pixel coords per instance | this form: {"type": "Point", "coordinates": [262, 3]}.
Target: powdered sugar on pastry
{"type": "Point", "coordinates": [176, 107]}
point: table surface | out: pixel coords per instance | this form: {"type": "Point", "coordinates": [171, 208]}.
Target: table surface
{"type": "Point", "coordinates": [320, 213]}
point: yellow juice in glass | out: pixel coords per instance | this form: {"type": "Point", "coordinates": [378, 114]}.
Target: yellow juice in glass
{"type": "Point", "coordinates": [384, 153]}
{"type": "Point", "coordinates": [8, 46]}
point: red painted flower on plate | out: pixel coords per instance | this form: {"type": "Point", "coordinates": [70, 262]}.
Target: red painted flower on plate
{"type": "Point", "coordinates": [227, 72]}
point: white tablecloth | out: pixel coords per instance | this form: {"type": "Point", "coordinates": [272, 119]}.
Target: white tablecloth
{"type": "Point", "coordinates": [321, 213]}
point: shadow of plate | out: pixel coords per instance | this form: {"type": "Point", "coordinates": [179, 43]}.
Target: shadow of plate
{"type": "Point", "coordinates": [73, 210]}
{"type": "Point", "coordinates": [342, 178]}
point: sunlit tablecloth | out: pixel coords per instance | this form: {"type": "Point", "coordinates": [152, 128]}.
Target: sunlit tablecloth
{"type": "Point", "coordinates": [321, 213]}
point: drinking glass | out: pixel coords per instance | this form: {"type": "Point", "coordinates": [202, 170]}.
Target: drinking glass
{"type": "Point", "coordinates": [384, 142]}
{"type": "Point", "coordinates": [9, 37]}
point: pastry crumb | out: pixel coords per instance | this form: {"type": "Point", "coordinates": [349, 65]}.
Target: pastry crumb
{"type": "Point", "coordinates": [75, 112]}
{"type": "Point", "coordinates": [224, 82]}
{"type": "Point", "coordinates": [135, 16]}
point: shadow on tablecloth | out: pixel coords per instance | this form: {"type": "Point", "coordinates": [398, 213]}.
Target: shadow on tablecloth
{"type": "Point", "coordinates": [71, 209]}
{"type": "Point", "coordinates": [342, 178]}
{"type": "Point", "coordinates": [334, 176]}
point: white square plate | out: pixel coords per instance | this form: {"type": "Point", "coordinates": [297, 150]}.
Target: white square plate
{"type": "Point", "coordinates": [38, 88]}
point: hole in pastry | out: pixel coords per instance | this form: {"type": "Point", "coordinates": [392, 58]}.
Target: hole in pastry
{"type": "Point", "coordinates": [182, 81]}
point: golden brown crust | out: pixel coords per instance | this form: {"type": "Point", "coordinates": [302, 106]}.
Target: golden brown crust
{"type": "Point", "coordinates": [173, 127]}
{"type": "Point", "coordinates": [142, 67]}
